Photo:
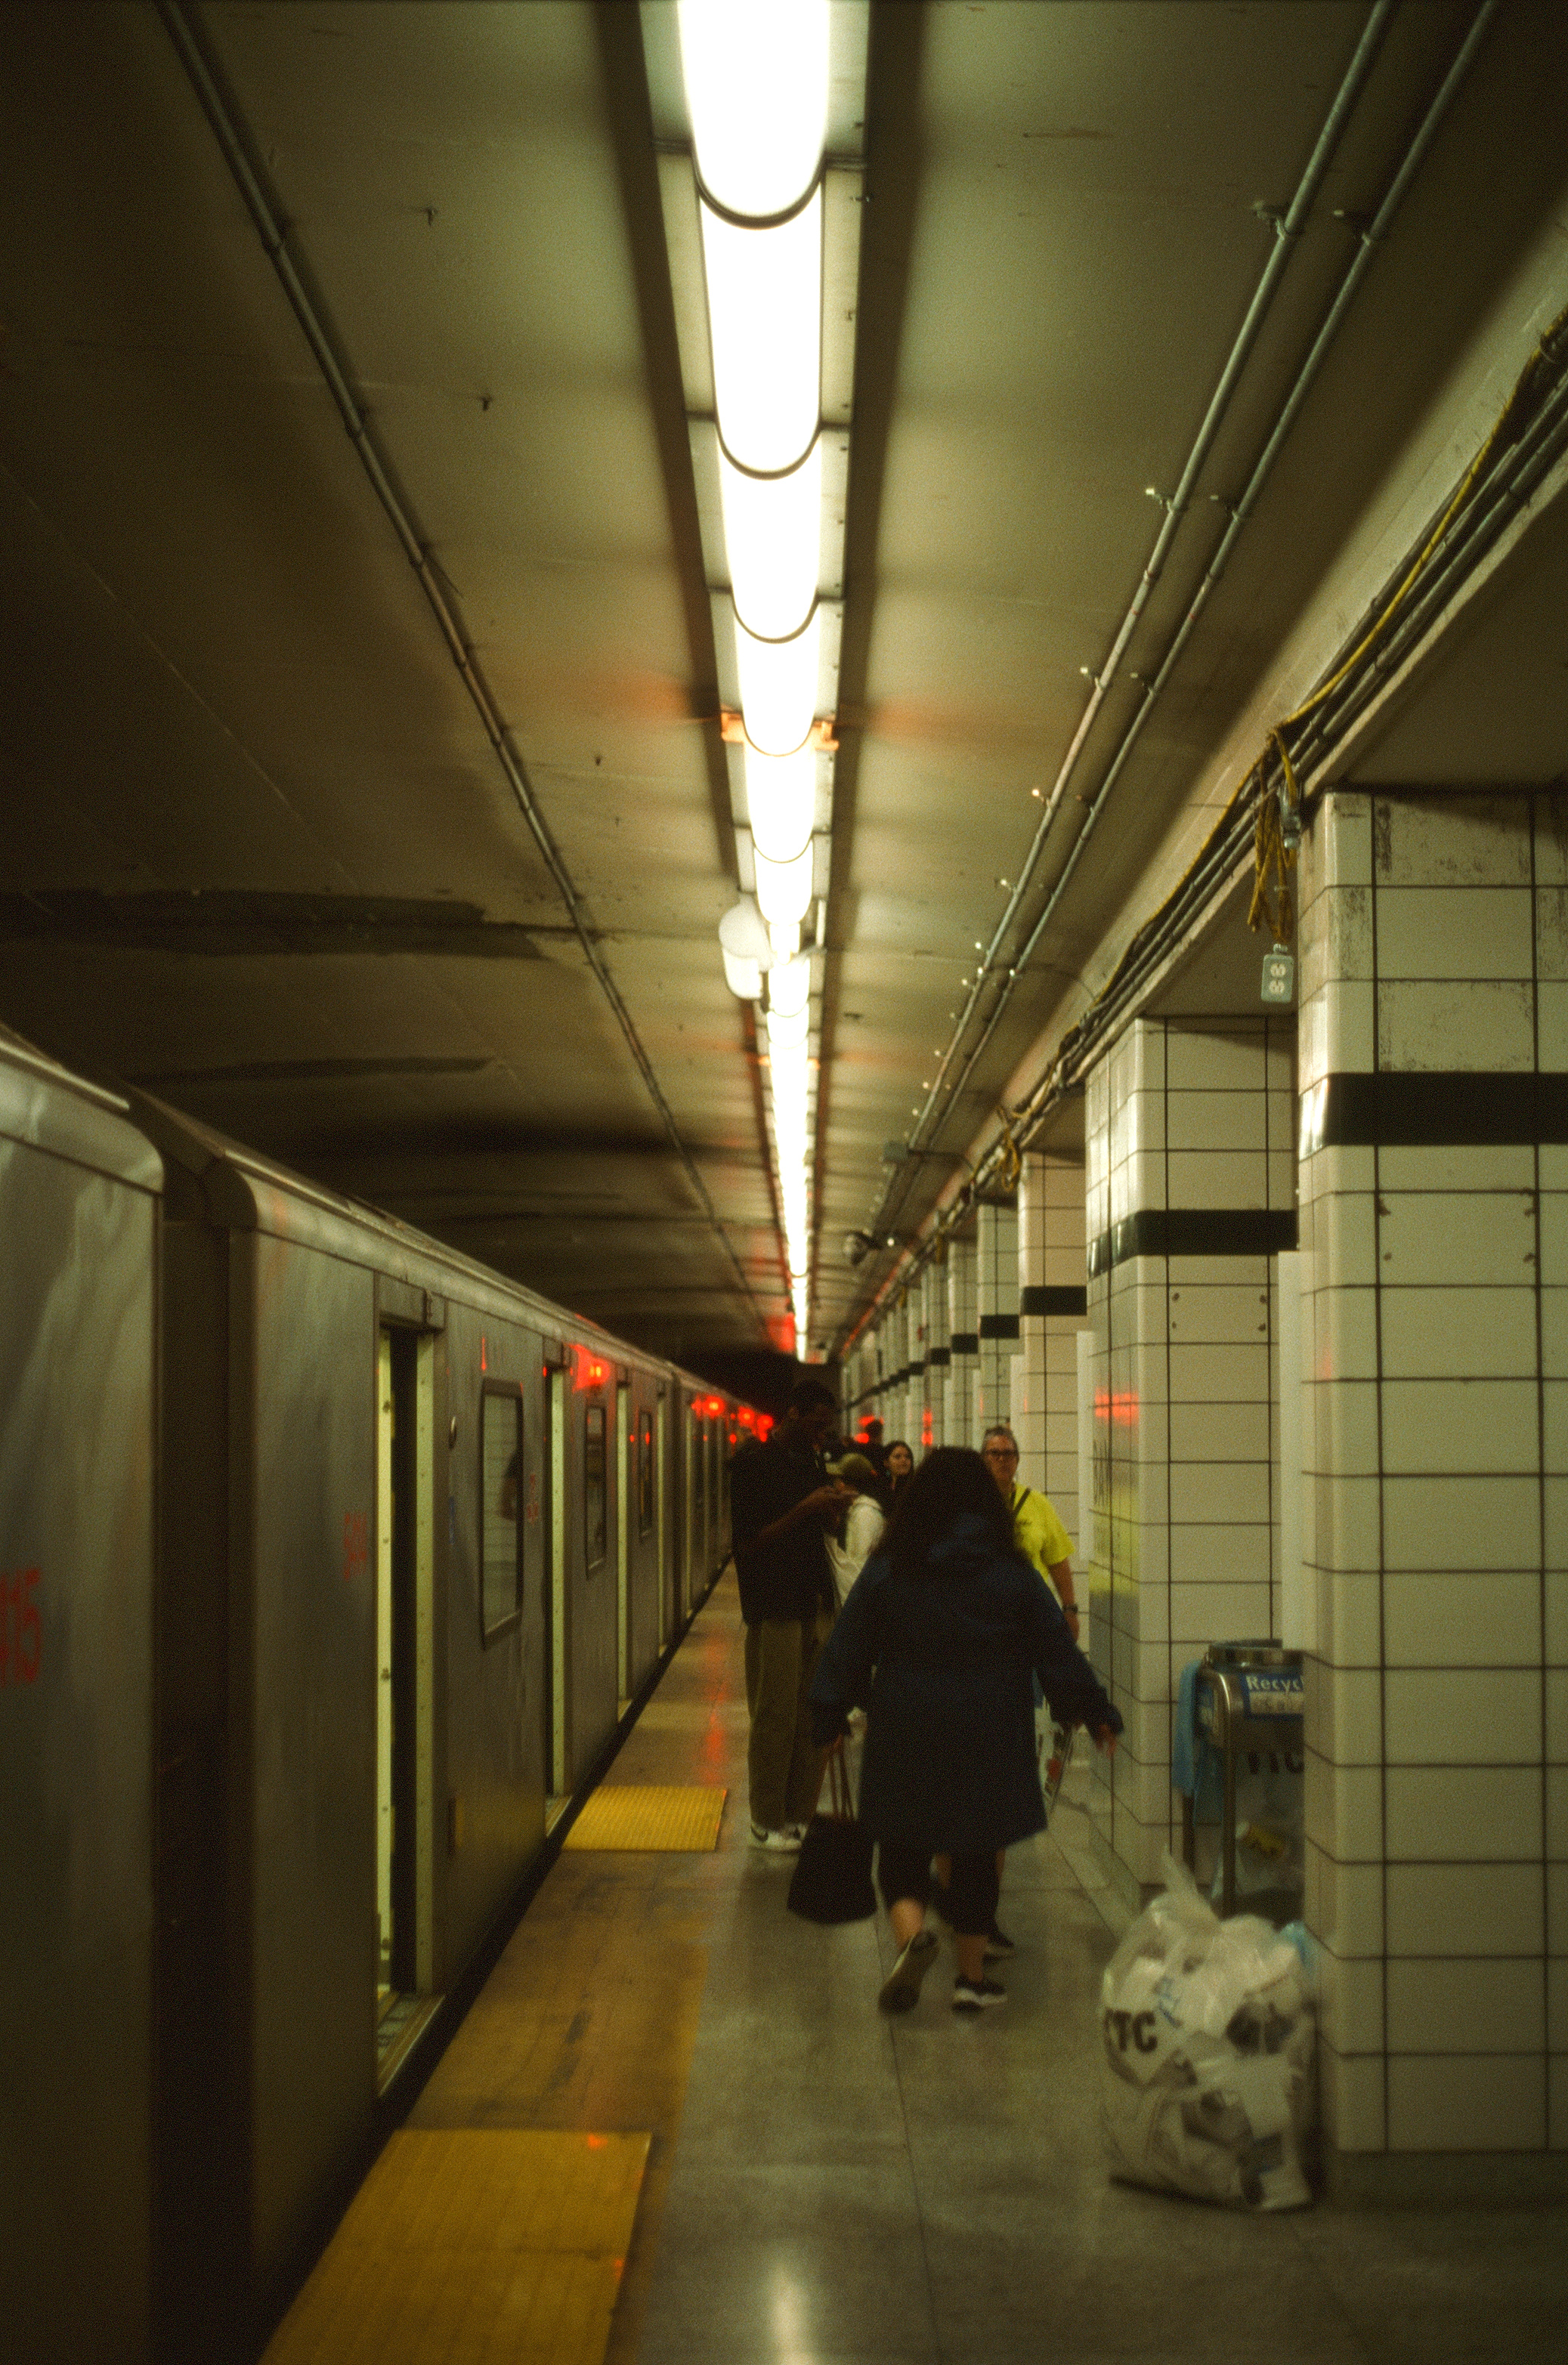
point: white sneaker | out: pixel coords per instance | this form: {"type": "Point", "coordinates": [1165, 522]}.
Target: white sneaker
{"type": "Point", "coordinates": [776, 1842]}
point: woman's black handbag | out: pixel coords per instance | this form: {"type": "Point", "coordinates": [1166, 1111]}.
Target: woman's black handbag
{"type": "Point", "coordinates": [831, 1880]}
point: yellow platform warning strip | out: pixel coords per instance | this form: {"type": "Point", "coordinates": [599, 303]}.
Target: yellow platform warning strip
{"type": "Point", "coordinates": [647, 1815]}
{"type": "Point", "coordinates": [471, 2246]}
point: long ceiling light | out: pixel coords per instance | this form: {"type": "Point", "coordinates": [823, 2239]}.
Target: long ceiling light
{"type": "Point", "coordinates": [769, 88]}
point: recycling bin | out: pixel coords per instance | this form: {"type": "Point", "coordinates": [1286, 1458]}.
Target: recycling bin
{"type": "Point", "coordinates": [1248, 1706]}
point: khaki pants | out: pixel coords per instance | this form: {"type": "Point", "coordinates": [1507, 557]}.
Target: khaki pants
{"type": "Point", "coordinates": [784, 1772]}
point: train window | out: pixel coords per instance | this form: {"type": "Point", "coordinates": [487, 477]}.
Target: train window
{"type": "Point", "coordinates": [645, 1474]}
{"type": "Point", "coordinates": [500, 1508]}
{"type": "Point", "coordinates": [596, 1510]}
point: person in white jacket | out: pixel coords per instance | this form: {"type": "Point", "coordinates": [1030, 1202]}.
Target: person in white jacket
{"type": "Point", "coordinates": [863, 1525]}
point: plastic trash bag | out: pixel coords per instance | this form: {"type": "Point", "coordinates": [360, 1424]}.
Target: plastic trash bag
{"type": "Point", "coordinates": [1206, 2083]}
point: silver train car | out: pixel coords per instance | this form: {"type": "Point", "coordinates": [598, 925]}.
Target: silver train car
{"type": "Point", "coordinates": [331, 1566]}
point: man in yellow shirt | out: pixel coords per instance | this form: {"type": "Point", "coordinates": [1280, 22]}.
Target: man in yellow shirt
{"type": "Point", "coordinates": [1036, 1530]}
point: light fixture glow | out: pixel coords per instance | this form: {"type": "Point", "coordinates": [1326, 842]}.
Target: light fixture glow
{"type": "Point", "coordinates": [789, 986]}
{"type": "Point", "coordinates": [787, 1028]}
{"type": "Point", "coordinates": [784, 889]}
{"type": "Point", "coordinates": [756, 82]}
{"type": "Point", "coordinates": [764, 320]}
{"type": "Point", "coordinates": [744, 977]}
{"type": "Point", "coordinates": [773, 541]}
{"type": "Point", "coordinates": [784, 936]}
{"type": "Point", "coordinates": [779, 690]}
{"type": "Point", "coordinates": [781, 803]}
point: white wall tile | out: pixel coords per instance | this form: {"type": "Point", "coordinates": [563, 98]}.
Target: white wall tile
{"type": "Point", "coordinates": [1475, 2102]}
{"type": "Point", "coordinates": [1557, 1909]}
{"type": "Point", "coordinates": [1448, 1716]}
{"type": "Point", "coordinates": [1446, 931]}
{"type": "Point", "coordinates": [1555, 1683]}
{"type": "Point", "coordinates": [1348, 1524]}
{"type": "Point", "coordinates": [1235, 1121]}
{"type": "Point", "coordinates": [1219, 1375]}
{"type": "Point", "coordinates": [1201, 1614]}
{"type": "Point", "coordinates": [1340, 841]}
{"type": "Point", "coordinates": [1557, 2005]}
{"type": "Point", "coordinates": [1440, 1618]}
{"type": "Point", "coordinates": [1474, 1522]}
{"type": "Point", "coordinates": [1220, 1058]}
{"type": "Point", "coordinates": [1551, 1025]}
{"type": "Point", "coordinates": [1350, 2003]}
{"type": "Point", "coordinates": [1345, 1427]}
{"type": "Point", "coordinates": [1344, 1713]}
{"type": "Point", "coordinates": [1350, 1617]}
{"type": "Point", "coordinates": [1230, 1432]}
{"type": "Point", "coordinates": [1459, 1333]}
{"type": "Point", "coordinates": [1451, 1910]}
{"type": "Point", "coordinates": [1344, 1904]}
{"type": "Point", "coordinates": [1482, 1239]}
{"type": "Point", "coordinates": [1344, 1334]}
{"type": "Point", "coordinates": [1214, 1493]}
{"type": "Point", "coordinates": [1458, 1167]}
{"type": "Point", "coordinates": [1471, 2006]}
{"type": "Point", "coordinates": [1464, 1813]}
{"type": "Point", "coordinates": [1345, 1249]}
{"type": "Point", "coordinates": [1343, 1810]}
{"type": "Point", "coordinates": [1461, 1425]}
{"type": "Point", "coordinates": [1221, 1178]}
{"type": "Point", "coordinates": [1484, 1023]}
{"type": "Point", "coordinates": [1555, 1785]}
{"type": "Point", "coordinates": [1350, 2090]}
{"type": "Point", "coordinates": [1451, 841]}
{"type": "Point", "coordinates": [1554, 1238]}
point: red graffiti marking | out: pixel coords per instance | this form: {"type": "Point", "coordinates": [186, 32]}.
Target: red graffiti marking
{"type": "Point", "coordinates": [356, 1544]}
{"type": "Point", "coordinates": [21, 1630]}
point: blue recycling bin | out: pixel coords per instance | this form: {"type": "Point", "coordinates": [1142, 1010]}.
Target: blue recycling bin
{"type": "Point", "coordinates": [1247, 1702]}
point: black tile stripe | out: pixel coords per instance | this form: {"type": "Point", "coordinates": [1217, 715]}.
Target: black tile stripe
{"type": "Point", "coordinates": [999, 1326]}
{"type": "Point", "coordinates": [938, 1359]}
{"type": "Point", "coordinates": [1057, 1297]}
{"type": "Point", "coordinates": [1442, 1108]}
{"type": "Point", "coordinates": [966, 1342]}
{"type": "Point", "coordinates": [1195, 1231]}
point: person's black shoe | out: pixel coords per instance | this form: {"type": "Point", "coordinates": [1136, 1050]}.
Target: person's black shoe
{"type": "Point", "coordinates": [901, 1988]}
{"type": "Point", "coordinates": [998, 1946]}
{"type": "Point", "coordinates": [976, 1995]}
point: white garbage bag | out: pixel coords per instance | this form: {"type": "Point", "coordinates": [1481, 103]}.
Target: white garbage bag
{"type": "Point", "coordinates": [1206, 2083]}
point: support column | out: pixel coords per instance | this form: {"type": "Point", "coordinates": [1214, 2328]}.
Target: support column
{"type": "Point", "coordinates": [996, 1272]}
{"type": "Point", "coordinates": [1434, 1047]}
{"type": "Point", "coordinates": [938, 1351]}
{"type": "Point", "coordinates": [1052, 1309]}
{"type": "Point", "coordinates": [1190, 1195]}
{"type": "Point", "coordinates": [963, 1341]}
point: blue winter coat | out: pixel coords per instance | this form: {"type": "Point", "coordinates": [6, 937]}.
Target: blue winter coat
{"type": "Point", "coordinates": [945, 1663]}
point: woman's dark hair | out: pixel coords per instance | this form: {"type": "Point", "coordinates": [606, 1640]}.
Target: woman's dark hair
{"type": "Point", "coordinates": [949, 1482]}
{"type": "Point", "coordinates": [900, 1445]}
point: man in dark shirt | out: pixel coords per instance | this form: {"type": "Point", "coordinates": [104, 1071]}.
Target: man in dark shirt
{"type": "Point", "coordinates": [780, 1508]}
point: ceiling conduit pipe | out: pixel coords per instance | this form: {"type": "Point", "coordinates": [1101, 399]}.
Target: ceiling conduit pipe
{"type": "Point", "coordinates": [274, 238]}
{"type": "Point", "coordinates": [1370, 239]}
{"type": "Point", "coordinates": [1287, 231]}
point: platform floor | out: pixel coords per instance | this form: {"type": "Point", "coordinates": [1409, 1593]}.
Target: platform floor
{"type": "Point", "coordinates": [828, 2187]}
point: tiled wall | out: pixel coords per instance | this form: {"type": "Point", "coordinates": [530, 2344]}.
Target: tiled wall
{"type": "Point", "coordinates": [934, 1303]}
{"type": "Point", "coordinates": [1052, 1309]}
{"type": "Point", "coordinates": [1434, 1041]}
{"type": "Point", "coordinates": [996, 1284]}
{"type": "Point", "coordinates": [963, 1326]}
{"type": "Point", "coordinates": [1190, 1183]}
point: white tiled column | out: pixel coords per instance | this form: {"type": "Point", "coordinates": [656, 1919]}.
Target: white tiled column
{"type": "Point", "coordinates": [1052, 1309]}
{"type": "Point", "coordinates": [963, 1339]}
{"type": "Point", "coordinates": [934, 1323]}
{"type": "Point", "coordinates": [1190, 1191]}
{"type": "Point", "coordinates": [996, 1281]}
{"type": "Point", "coordinates": [1434, 1042]}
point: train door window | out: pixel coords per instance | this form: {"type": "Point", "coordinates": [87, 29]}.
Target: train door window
{"type": "Point", "coordinates": [405, 1691]}
{"type": "Point", "coordinates": [645, 1474]}
{"type": "Point", "coordinates": [596, 1520]}
{"type": "Point", "coordinates": [623, 1544]}
{"type": "Point", "coordinates": [556, 1598]}
{"type": "Point", "coordinates": [500, 1522]}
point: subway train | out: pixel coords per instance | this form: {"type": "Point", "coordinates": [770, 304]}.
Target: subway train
{"type": "Point", "coordinates": [331, 1565]}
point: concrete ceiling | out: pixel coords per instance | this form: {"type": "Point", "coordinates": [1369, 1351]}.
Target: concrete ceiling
{"type": "Point", "coordinates": [255, 846]}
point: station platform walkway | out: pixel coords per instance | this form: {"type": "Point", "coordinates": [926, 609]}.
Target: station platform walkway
{"type": "Point", "coordinates": [821, 2185]}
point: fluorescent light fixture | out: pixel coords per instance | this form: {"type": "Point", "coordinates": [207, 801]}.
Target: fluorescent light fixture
{"type": "Point", "coordinates": [789, 986]}
{"type": "Point", "coordinates": [784, 936]}
{"type": "Point", "coordinates": [743, 976]}
{"type": "Point", "coordinates": [757, 79]}
{"type": "Point", "coordinates": [765, 312]}
{"type": "Point", "coordinates": [788, 1028]}
{"type": "Point", "coordinates": [781, 803]}
{"type": "Point", "coordinates": [779, 689]}
{"type": "Point", "coordinates": [784, 889]}
{"type": "Point", "coordinates": [773, 541]}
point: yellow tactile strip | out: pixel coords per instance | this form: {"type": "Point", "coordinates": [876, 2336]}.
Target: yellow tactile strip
{"type": "Point", "coordinates": [650, 1816]}
{"type": "Point", "coordinates": [473, 2246]}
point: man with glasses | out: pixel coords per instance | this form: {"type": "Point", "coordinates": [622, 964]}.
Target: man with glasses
{"type": "Point", "coordinates": [1036, 1530]}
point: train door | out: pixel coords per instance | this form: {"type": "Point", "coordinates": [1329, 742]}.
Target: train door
{"type": "Point", "coordinates": [556, 1599]}
{"type": "Point", "coordinates": [405, 1657]}
{"type": "Point", "coordinates": [666, 1554]}
{"type": "Point", "coordinates": [622, 1546]}
{"type": "Point", "coordinates": [698, 1548]}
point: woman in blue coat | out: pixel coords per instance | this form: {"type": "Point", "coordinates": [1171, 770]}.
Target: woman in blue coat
{"type": "Point", "coordinates": [941, 1639]}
